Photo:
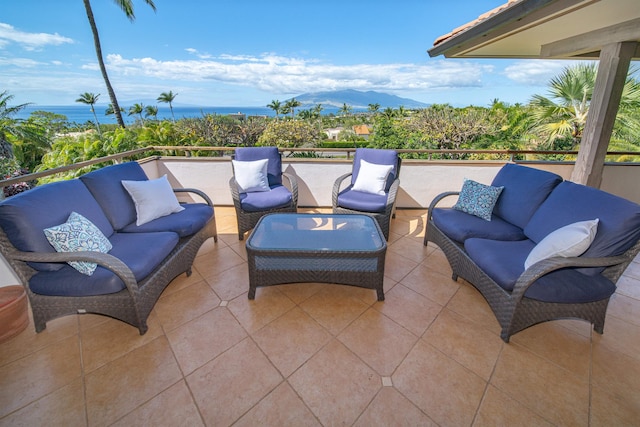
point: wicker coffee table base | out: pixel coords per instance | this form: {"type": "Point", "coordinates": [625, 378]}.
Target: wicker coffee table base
{"type": "Point", "coordinates": [277, 268]}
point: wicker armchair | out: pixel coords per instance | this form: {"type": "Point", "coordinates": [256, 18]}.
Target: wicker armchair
{"type": "Point", "coordinates": [381, 207]}
{"type": "Point", "coordinates": [253, 205]}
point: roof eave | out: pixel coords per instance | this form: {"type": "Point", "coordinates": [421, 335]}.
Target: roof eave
{"type": "Point", "coordinates": [482, 31]}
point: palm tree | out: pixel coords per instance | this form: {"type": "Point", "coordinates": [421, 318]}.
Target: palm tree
{"type": "Point", "coordinates": [109, 110]}
{"type": "Point", "coordinates": [8, 124]}
{"type": "Point", "coordinates": [168, 97]}
{"type": "Point", "coordinates": [137, 109]}
{"type": "Point", "coordinates": [345, 109]}
{"type": "Point", "coordinates": [291, 105]}
{"type": "Point", "coordinates": [151, 111]}
{"type": "Point", "coordinates": [276, 106]}
{"type": "Point", "coordinates": [374, 108]}
{"type": "Point", "coordinates": [563, 114]}
{"type": "Point", "coordinates": [127, 8]}
{"type": "Point", "coordinates": [90, 99]}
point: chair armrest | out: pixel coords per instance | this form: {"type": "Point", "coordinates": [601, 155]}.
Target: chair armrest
{"type": "Point", "coordinates": [107, 261]}
{"type": "Point", "coordinates": [293, 186]}
{"type": "Point", "coordinates": [391, 197]}
{"type": "Point", "coordinates": [438, 199]}
{"type": "Point", "coordinates": [336, 188]}
{"type": "Point", "coordinates": [539, 269]}
{"type": "Point", "coordinates": [195, 191]}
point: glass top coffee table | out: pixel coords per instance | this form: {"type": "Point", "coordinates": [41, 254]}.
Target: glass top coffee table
{"type": "Point", "coordinates": [327, 248]}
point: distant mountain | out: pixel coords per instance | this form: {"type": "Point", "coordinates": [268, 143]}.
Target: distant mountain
{"type": "Point", "coordinates": [356, 99]}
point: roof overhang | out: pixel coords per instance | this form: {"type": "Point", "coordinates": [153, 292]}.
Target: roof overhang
{"type": "Point", "coordinates": [551, 29]}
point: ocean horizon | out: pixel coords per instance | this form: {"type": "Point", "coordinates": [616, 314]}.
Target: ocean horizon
{"type": "Point", "coordinates": [82, 113]}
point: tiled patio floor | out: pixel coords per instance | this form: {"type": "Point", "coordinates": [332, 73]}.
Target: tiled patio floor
{"type": "Point", "coordinates": [318, 354]}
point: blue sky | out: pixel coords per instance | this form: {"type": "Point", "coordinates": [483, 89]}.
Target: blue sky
{"type": "Point", "coordinates": [247, 53]}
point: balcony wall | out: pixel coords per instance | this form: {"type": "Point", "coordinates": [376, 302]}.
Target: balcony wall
{"type": "Point", "coordinates": [420, 181]}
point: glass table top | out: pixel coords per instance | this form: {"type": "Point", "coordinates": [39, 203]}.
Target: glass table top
{"type": "Point", "coordinates": [317, 232]}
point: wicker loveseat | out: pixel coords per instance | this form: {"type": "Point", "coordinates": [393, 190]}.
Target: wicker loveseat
{"type": "Point", "coordinates": [536, 205]}
{"type": "Point", "coordinates": [129, 278]}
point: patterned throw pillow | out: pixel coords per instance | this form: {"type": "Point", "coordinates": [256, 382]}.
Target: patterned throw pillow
{"type": "Point", "coordinates": [477, 199]}
{"type": "Point", "coordinates": [78, 234]}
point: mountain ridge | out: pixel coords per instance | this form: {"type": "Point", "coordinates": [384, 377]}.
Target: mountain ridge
{"type": "Point", "coordinates": [356, 99]}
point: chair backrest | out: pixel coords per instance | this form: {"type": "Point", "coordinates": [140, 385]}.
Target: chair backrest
{"type": "Point", "coordinates": [378, 157]}
{"type": "Point", "coordinates": [274, 167]}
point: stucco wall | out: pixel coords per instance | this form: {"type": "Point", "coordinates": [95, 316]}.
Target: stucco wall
{"type": "Point", "coordinates": [420, 181]}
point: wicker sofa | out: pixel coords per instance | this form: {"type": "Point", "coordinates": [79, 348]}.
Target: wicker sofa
{"type": "Point", "coordinates": [536, 205]}
{"type": "Point", "coordinates": [127, 280]}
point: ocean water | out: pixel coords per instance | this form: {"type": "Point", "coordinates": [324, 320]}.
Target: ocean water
{"type": "Point", "coordinates": [82, 113]}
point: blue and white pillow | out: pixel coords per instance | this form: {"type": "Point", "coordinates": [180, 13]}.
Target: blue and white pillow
{"type": "Point", "coordinates": [477, 199]}
{"type": "Point", "coordinates": [75, 235]}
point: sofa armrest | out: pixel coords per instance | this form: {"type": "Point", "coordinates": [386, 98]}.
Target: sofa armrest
{"type": "Point", "coordinates": [194, 191]}
{"type": "Point", "coordinates": [336, 187]}
{"type": "Point", "coordinates": [107, 261]}
{"type": "Point", "coordinates": [438, 199]}
{"type": "Point", "coordinates": [539, 269]}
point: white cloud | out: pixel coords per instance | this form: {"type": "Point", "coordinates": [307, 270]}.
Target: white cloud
{"type": "Point", "coordinates": [535, 72]}
{"type": "Point", "coordinates": [19, 62]}
{"type": "Point", "coordinates": [29, 41]}
{"type": "Point", "coordinates": [277, 74]}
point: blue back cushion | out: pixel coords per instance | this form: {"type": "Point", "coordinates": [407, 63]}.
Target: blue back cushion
{"type": "Point", "coordinates": [106, 186]}
{"type": "Point", "coordinates": [23, 217]}
{"type": "Point", "coordinates": [524, 190]}
{"type": "Point", "coordinates": [378, 157]}
{"type": "Point", "coordinates": [274, 167]}
{"type": "Point", "coordinates": [618, 229]}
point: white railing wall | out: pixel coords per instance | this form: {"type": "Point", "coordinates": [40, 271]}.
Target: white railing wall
{"type": "Point", "coordinates": [420, 180]}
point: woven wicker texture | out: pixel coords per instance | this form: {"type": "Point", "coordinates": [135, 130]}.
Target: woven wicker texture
{"type": "Point", "coordinates": [348, 267]}
{"type": "Point", "coordinates": [131, 305]}
{"type": "Point", "coordinates": [513, 310]}
{"type": "Point", "coordinates": [383, 218]}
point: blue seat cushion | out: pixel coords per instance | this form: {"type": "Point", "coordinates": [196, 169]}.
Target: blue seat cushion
{"type": "Point", "coordinates": [524, 190]}
{"type": "Point", "coordinates": [461, 226]}
{"type": "Point", "coordinates": [185, 223]}
{"type": "Point", "coordinates": [618, 229]}
{"type": "Point", "coordinates": [141, 252]}
{"type": "Point", "coordinates": [24, 216]}
{"type": "Point", "coordinates": [503, 262]}
{"type": "Point", "coordinates": [274, 166]}
{"type": "Point", "coordinates": [106, 186]}
{"type": "Point", "coordinates": [361, 201]}
{"type": "Point", "coordinates": [278, 197]}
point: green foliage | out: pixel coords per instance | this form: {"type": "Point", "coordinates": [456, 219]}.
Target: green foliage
{"type": "Point", "coordinates": [290, 134]}
{"type": "Point", "coordinates": [563, 114]}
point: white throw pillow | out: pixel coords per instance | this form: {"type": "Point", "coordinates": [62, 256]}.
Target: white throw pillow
{"type": "Point", "coordinates": [153, 198]}
{"type": "Point", "coordinates": [251, 175]}
{"type": "Point", "coordinates": [372, 178]}
{"type": "Point", "coordinates": [568, 241]}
